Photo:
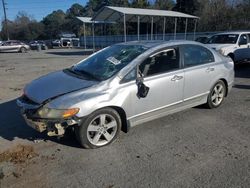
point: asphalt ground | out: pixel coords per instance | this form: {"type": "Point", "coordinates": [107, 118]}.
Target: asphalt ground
{"type": "Point", "coordinates": [197, 147]}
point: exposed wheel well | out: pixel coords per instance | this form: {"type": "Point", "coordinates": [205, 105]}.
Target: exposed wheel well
{"type": "Point", "coordinates": [121, 112]}
{"type": "Point", "coordinates": [226, 84]}
{"type": "Point", "coordinates": [231, 55]}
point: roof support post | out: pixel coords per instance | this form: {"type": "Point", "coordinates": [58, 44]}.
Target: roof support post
{"type": "Point", "coordinates": [175, 28]}
{"type": "Point", "coordinates": [186, 29]}
{"type": "Point", "coordinates": [195, 25]}
{"type": "Point", "coordinates": [147, 30]}
{"type": "Point", "coordinates": [84, 35]}
{"type": "Point", "coordinates": [164, 28]}
{"type": "Point", "coordinates": [124, 27]}
{"type": "Point", "coordinates": [93, 34]}
{"type": "Point", "coordinates": [138, 27]}
{"type": "Point", "coordinates": [152, 27]}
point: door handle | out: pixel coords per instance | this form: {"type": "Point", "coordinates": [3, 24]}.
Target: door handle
{"type": "Point", "coordinates": [210, 69]}
{"type": "Point", "coordinates": [176, 78]}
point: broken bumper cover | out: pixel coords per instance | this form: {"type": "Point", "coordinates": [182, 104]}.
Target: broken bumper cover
{"type": "Point", "coordinates": [38, 126]}
{"type": "Point", "coordinates": [53, 127]}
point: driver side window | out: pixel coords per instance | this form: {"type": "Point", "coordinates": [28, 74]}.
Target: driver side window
{"type": "Point", "coordinates": [161, 62]}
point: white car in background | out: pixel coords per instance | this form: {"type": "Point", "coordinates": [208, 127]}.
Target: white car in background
{"type": "Point", "coordinates": [233, 44]}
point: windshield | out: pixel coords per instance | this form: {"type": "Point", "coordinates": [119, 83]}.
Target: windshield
{"type": "Point", "coordinates": [223, 39]}
{"type": "Point", "coordinates": [109, 61]}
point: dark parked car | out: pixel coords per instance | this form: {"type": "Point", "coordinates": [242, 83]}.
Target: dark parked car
{"type": "Point", "coordinates": [56, 43]}
{"type": "Point", "coordinates": [34, 45]}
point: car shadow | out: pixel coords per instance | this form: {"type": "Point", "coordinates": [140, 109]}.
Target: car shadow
{"type": "Point", "coordinates": [71, 53]}
{"type": "Point", "coordinates": [13, 126]}
{"type": "Point", "coordinates": [240, 86]}
{"type": "Point", "coordinates": [242, 70]}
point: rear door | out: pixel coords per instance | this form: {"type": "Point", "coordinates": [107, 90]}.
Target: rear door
{"type": "Point", "coordinates": [200, 72]}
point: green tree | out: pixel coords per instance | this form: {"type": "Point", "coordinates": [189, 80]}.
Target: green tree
{"type": "Point", "coordinates": [72, 24]}
{"type": "Point", "coordinates": [139, 4]}
{"type": "Point", "coordinates": [164, 4]}
{"type": "Point", "coordinates": [75, 10]}
{"type": "Point", "coordinates": [54, 23]}
{"type": "Point", "coordinates": [24, 27]}
{"type": "Point", "coordinates": [186, 6]}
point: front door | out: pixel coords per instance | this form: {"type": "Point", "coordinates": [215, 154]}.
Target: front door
{"type": "Point", "coordinates": [162, 74]}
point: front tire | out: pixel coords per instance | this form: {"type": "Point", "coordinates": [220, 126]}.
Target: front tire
{"type": "Point", "coordinates": [216, 95]}
{"type": "Point", "coordinates": [23, 50]}
{"type": "Point", "coordinates": [99, 129]}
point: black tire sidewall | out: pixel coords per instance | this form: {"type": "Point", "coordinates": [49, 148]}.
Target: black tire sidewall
{"type": "Point", "coordinates": [209, 100]}
{"type": "Point", "coordinates": [23, 50]}
{"type": "Point", "coordinates": [81, 131]}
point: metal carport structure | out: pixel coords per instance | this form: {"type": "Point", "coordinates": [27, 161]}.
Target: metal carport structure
{"type": "Point", "coordinates": [124, 14]}
{"type": "Point", "coordinates": [88, 20]}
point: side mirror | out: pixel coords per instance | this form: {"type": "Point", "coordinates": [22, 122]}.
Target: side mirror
{"type": "Point", "coordinates": [242, 43]}
{"type": "Point", "coordinates": [142, 88]}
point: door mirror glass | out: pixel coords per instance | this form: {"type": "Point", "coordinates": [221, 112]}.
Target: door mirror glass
{"type": "Point", "coordinates": [243, 40]}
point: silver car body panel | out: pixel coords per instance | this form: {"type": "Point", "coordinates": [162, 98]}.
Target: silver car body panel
{"type": "Point", "coordinates": [54, 84]}
{"type": "Point", "coordinates": [13, 48]}
{"type": "Point", "coordinates": [166, 95]}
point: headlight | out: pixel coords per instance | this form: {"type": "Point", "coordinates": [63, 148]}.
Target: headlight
{"type": "Point", "coordinates": [56, 113]}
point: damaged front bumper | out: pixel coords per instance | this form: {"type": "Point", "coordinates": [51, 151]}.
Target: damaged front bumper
{"type": "Point", "coordinates": [53, 127]}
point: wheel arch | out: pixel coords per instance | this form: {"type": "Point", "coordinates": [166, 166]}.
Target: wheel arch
{"type": "Point", "coordinates": [226, 84]}
{"type": "Point", "coordinates": [125, 125]}
{"type": "Point", "coordinates": [231, 55]}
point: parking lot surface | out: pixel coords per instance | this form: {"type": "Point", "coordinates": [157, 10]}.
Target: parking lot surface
{"type": "Point", "coordinates": [198, 147]}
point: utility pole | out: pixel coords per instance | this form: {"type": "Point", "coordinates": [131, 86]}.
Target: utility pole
{"type": "Point", "coordinates": [5, 20]}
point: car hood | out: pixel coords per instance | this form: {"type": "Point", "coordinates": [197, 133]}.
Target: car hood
{"type": "Point", "coordinates": [53, 85]}
{"type": "Point", "coordinates": [219, 46]}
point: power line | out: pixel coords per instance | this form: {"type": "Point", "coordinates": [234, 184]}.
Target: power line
{"type": "Point", "coordinates": [5, 18]}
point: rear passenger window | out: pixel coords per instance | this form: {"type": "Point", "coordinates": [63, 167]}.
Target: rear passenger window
{"type": "Point", "coordinates": [196, 55]}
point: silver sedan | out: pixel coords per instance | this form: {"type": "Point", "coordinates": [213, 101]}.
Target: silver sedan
{"type": "Point", "coordinates": [125, 85]}
{"type": "Point", "coordinates": [14, 46]}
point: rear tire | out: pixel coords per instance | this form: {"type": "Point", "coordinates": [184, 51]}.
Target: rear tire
{"type": "Point", "coordinates": [99, 129]}
{"type": "Point", "coordinates": [216, 95]}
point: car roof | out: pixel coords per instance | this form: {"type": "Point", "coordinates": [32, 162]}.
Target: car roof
{"type": "Point", "coordinates": [155, 43]}
{"type": "Point", "coordinates": [233, 33]}
{"type": "Point", "coordinates": [153, 46]}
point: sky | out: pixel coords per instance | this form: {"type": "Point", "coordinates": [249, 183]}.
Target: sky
{"type": "Point", "coordinates": [36, 8]}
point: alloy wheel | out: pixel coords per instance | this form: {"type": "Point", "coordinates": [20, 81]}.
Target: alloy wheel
{"type": "Point", "coordinates": [218, 94]}
{"type": "Point", "coordinates": [102, 129]}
